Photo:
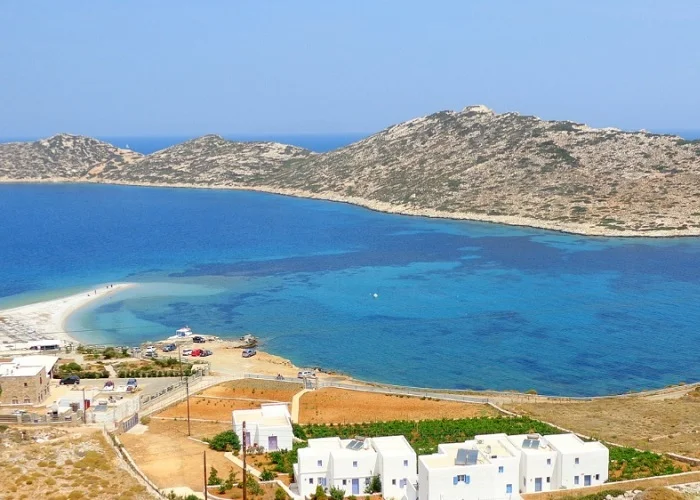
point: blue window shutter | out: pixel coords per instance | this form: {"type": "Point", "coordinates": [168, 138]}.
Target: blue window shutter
{"type": "Point", "coordinates": [467, 480]}
{"type": "Point", "coordinates": [455, 480]}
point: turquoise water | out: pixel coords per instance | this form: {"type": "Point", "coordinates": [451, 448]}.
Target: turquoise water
{"type": "Point", "coordinates": [458, 304]}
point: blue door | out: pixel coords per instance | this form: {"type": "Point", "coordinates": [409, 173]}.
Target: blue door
{"type": "Point", "coordinates": [355, 486]}
{"type": "Point", "coordinates": [538, 484]}
{"type": "Point", "coordinates": [586, 480]}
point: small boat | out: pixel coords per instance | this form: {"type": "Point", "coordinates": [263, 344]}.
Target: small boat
{"type": "Point", "coordinates": [182, 333]}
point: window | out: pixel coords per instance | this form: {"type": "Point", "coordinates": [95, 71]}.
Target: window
{"type": "Point", "coordinates": [524, 482]}
{"type": "Point", "coordinates": [15, 401]}
{"type": "Point", "coordinates": [597, 477]}
{"type": "Point", "coordinates": [576, 460]}
{"type": "Point", "coordinates": [311, 480]}
{"type": "Point", "coordinates": [345, 482]}
{"type": "Point", "coordinates": [461, 478]}
{"type": "Point", "coordinates": [319, 463]}
{"type": "Point", "coordinates": [500, 469]}
{"type": "Point", "coordinates": [322, 481]}
{"type": "Point", "coordinates": [393, 482]}
{"type": "Point", "coordinates": [509, 488]}
{"type": "Point", "coordinates": [405, 463]}
{"type": "Point", "coordinates": [354, 464]}
{"type": "Point", "coordinates": [27, 400]}
{"type": "Point", "coordinates": [575, 479]}
{"type": "Point", "coordinates": [403, 483]}
{"type": "Point", "coordinates": [548, 479]}
{"type": "Point", "coordinates": [549, 461]}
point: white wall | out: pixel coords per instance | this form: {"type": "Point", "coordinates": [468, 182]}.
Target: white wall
{"type": "Point", "coordinates": [392, 468]}
{"type": "Point", "coordinates": [484, 481]}
{"type": "Point", "coordinates": [308, 464]}
{"type": "Point", "coordinates": [592, 461]}
{"type": "Point", "coordinates": [534, 465]}
{"type": "Point", "coordinates": [259, 434]}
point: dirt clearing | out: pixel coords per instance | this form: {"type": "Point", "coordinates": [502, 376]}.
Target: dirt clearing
{"type": "Point", "coordinates": [170, 459]}
{"type": "Point", "coordinates": [671, 425]}
{"type": "Point", "coordinates": [340, 406]}
{"type": "Point", "coordinates": [217, 403]}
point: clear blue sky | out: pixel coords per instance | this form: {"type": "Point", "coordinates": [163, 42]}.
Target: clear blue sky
{"type": "Point", "coordinates": [134, 67]}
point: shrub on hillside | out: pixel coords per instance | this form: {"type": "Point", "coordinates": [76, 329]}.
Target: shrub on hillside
{"type": "Point", "coordinates": [225, 441]}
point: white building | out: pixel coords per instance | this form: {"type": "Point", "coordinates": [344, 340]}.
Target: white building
{"type": "Point", "coordinates": [485, 467]}
{"type": "Point", "coordinates": [560, 461]}
{"type": "Point", "coordinates": [270, 426]}
{"type": "Point", "coordinates": [350, 464]}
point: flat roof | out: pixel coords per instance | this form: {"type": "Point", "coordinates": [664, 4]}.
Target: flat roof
{"type": "Point", "coordinates": [44, 360]}
{"type": "Point", "coordinates": [392, 445]}
{"type": "Point", "coordinates": [486, 448]}
{"type": "Point", "coordinates": [571, 443]}
{"type": "Point", "coordinates": [260, 416]}
{"type": "Point", "coordinates": [16, 370]}
{"type": "Point", "coordinates": [528, 443]}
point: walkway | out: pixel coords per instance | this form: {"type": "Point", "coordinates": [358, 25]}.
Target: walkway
{"type": "Point", "coordinates": [295, 405]}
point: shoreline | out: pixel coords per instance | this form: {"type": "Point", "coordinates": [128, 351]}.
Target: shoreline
{"type": "Point", "coordinates": [48, 319]}
{"type": "Point", "coordinates": [388, 208]}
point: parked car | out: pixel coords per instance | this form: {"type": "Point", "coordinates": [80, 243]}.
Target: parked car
{"type": "Point", "coordinates": [70, 380]}
{"type": "Point", "coordinates": [131, 385]}
{"type": "Point", "coordinates": [306, 374]}
{"type": "Point", "coordinates": [196, 352]}
{"type": "Point", "coordinates": [109, 386]}
{"type": "Point", "coordinates": [206, 352]}
{"type": "Point", "coordinates": [248, 353]}
{"type": "Point", "coordinates": [19, 412]}
{"type": "Point", "coordinates": [198, 339]}
{"type": "Point", "coordinates": [150, 354]}
{"type": "Point", "coordinates": [169, 347]}
{"type": "Point", "coordinates": [187, 352]}
{"type": "Point", "coordinates": [150, 348]}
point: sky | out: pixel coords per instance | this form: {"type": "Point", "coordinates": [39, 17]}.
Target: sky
{"type": "Point", "coordinates": [158, 68]}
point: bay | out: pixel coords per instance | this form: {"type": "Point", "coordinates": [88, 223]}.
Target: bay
{"type": "Point", "coordinates": [389, 298]}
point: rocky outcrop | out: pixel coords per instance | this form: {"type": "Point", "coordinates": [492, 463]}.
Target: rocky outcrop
{"type": "Point", "coordinates": [62, 157]}
{"type": "Point", "coordinates": [472, 164]}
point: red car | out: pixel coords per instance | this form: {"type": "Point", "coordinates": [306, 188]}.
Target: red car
{"type": "Point", "coordinates": [196, 352]}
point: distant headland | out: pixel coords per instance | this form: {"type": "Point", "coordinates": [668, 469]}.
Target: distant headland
{"type": "Point", "coordinates": [473, 164]}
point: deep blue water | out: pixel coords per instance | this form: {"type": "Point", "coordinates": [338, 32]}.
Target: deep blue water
{"type": "Point", "coordinates": [460, 305]}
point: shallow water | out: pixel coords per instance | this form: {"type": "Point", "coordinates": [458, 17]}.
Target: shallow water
{"type": "Point", "coordinates": [459, 304]}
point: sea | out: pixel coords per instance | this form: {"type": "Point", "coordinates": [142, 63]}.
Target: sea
{"type": "Point", "coordinates": [388, 298]}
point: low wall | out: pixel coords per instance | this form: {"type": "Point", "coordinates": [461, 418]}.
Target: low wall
{"type": "Point", "coordinates": [633, 484]}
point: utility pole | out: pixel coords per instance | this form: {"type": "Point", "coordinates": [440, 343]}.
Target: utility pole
{"type": "Point", "coordinates": [206, 492]}
{"type": "Point", "coordinates": [84, 408]}
{"type": "Point", "coordinates": [245, 483]}
{"type": "Point", "coordinates": [187, 395]}
{"type": "Point", "coordinates": [179, 359]}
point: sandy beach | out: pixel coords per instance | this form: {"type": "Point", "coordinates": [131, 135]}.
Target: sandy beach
{"type": "Point", "coordinates": [47, 320]}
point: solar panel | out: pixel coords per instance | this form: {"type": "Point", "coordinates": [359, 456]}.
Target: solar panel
{"type": "Point", "coordinates": [531, 443]}
{"type": "Point", "coordinates": [466, 457]}
{"type": "Point", "coordinates": [355, 445]}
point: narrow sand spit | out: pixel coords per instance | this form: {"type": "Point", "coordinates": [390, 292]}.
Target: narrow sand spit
{"type": "Point", "coordinates": [46, 320]}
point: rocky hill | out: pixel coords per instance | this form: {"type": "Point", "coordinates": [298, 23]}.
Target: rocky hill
{"type": "Point", "coordinates": [62, 157]}
{"type": "Point", "coordinates": [211, 161]}
{"type": "Point", "coordinates": [472, 164]}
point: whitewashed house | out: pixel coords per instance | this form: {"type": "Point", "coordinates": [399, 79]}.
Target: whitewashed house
{"type": "Point", "coordinates": [485, 467]}
{"type": "Point", "coordinates": [350, 464]}
{"type": "Point", "coordinates": [270, 426]}
{"type": "Point", "coordinates": [560, 461]}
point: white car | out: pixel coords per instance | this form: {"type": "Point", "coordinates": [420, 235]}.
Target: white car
{"type": "Point", "coordinates": [306, 374]}
{"type": "Point", "coordinates": [186, 352]}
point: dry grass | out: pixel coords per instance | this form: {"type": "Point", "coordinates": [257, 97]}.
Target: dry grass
{"type": "Point", "coordinates": [670, 425]}
{"type": "Point", "coordinates": [73, 464]}
{"type": "Point", "coordinates": [217, 403]}
{"type": "Point", "coordinates": [341, 406]}
{"type": "Point", "coordinates": [169, 459]}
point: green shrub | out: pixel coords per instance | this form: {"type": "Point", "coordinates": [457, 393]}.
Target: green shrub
{"type": "Point", "coordinates": [336, 493]}
{"type": "Point", "coordinates": [375, 485]}
{"type": "Point", "coordinates": [280, 494]}
{"type": "Point", "coordinates": [225, 441]}
{"type": "Point", "coordinates": [214, 477]}
{"type": "Point", "coordinates": [267, 475]}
